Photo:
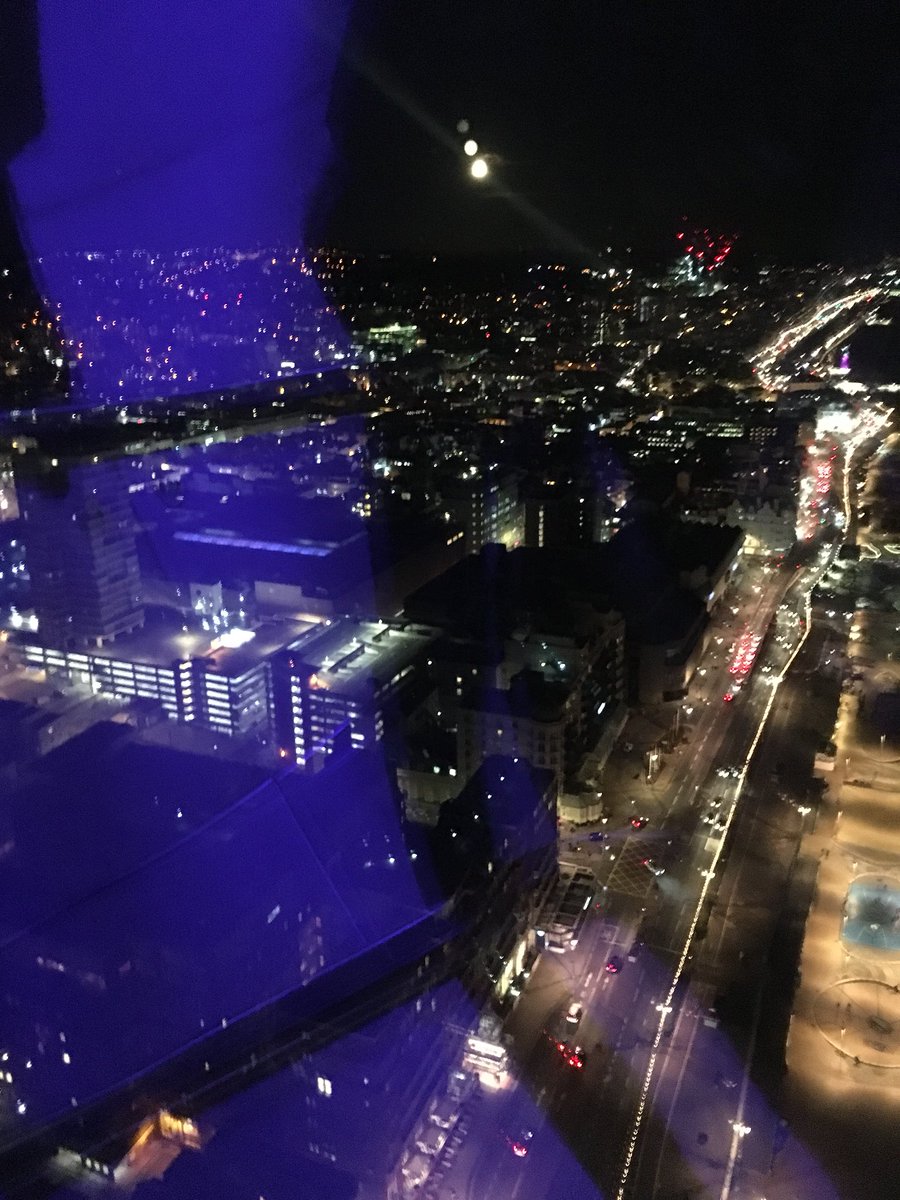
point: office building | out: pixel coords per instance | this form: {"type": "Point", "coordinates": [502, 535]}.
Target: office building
{"type": "Point", "coordinates": [81, 550]}
{"type": "Point", "coordinates": [486, 506]}
{"type": "Point", "coordinates": [347, 680]}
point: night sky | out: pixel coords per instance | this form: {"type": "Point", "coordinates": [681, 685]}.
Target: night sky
{"type": "Point", "coordinates": [781, 121]}
{"type": "Point", "coordinates": [612, 119]}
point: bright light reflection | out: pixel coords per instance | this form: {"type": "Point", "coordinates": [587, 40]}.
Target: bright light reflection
{"type": "Point", "coordinates": [708, 877]}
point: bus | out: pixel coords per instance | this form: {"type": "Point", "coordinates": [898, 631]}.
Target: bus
{"type": "Point", "coordinates": [564, 916]}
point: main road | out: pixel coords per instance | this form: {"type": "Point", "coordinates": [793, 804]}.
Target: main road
{"type": "Point", "coordinates": [585, 1120]}
{"type": "Point", "coordinates": [665, 1105]}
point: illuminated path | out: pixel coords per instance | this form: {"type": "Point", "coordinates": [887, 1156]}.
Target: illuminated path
{"type": "Point", "coordinates": [739, 1126]}
{"type": "Point", "coordinates": [667, 1004]}
{"type": "Point", "coordinates": [767, 358]}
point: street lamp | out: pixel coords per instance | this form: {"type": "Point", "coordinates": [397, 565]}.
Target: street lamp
{"type": "Point", "coordinates": [479, 168]}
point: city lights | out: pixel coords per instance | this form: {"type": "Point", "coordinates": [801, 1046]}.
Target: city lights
{"type": "Point", "coordinates": [424, 644]}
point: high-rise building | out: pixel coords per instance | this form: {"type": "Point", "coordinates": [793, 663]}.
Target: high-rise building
{"type": "Point", "coordinates": [560, 516]}
{"type": "Point", "coordinates": [485, 506]}
{"type": "Point", "coordinates": [81, 550]}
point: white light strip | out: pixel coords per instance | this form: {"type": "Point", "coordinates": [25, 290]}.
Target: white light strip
{"type": "Point", "coordinates": [666, 1005]}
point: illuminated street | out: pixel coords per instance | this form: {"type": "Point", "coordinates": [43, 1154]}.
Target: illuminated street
{"type": "Point", "coordinates": [665, 1070]}
{"type": "Point", "coordinates": [449, 603]}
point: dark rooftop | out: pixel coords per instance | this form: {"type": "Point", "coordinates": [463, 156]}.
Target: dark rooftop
{"type": "Point", "coordinates": [151, 896]}
{"type": "Point", "coordinates": [497, 591]}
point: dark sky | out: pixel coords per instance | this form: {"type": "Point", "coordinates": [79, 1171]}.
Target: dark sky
{"type": "Point", "coordinates": [610, 119]}
{"type": "Point", "coordinates": [779, 120]}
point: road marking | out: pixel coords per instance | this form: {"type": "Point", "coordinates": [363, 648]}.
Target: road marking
{"type": "Point", "coordinates": [701, 899]}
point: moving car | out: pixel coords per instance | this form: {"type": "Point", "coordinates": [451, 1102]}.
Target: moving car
{"type": "Point", "coordinates": [573, 1055]}
{"type": "Point", "coordinates": [638, 822]}
{"type": "Point", "coordinates": [614, 964]}
{"type": "Point", "coordinates": [575, 1013]}
{"type": "Point", "coordinates": [653, 867]}
{"type": "Point", "coordinates": [520, 1142]}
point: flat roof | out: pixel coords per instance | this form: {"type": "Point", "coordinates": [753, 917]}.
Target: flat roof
{"type": "Point", "coordinates": [345, 654]}
{"type": "Point", "coordinates": [162, 644]}
{"type": "Point", "coordinates": [260, 1137]}
{"type": "Point", "coordinates": [152, 897]}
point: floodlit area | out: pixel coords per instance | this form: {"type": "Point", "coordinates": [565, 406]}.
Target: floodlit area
{"type": "Point", "coordinates": [843, 1052]}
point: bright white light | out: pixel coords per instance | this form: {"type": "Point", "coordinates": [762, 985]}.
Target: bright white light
{"type": "Point", "coordinates": [478, 169]}
{"type": "Point", "coordinates": [471, 147]}
{"type": "Point", "coordinates": [231, 639]}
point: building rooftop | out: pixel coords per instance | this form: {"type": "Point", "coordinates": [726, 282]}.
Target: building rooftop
{"type": "Point", "coordinates": [498, 591]}
{"type": "Point", "coordinates": [165, 642]}
{"type": "Point", "coordinates": [276, 536]}
{"type": "Point", "coordinates": [529, 697]}
{"type": "Point", "coordinates": [268, 1137]}
{"type": "Point", "coordinates": [346, 655]}
{"type": "Point", "coordinates": [151, 897]}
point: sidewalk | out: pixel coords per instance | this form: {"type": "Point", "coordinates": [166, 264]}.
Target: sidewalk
{"type": "Point", "coordinates": [624, 779]}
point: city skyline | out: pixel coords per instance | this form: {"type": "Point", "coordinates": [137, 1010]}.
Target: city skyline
{"type": "Point", "coordinates": [449, 584]}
